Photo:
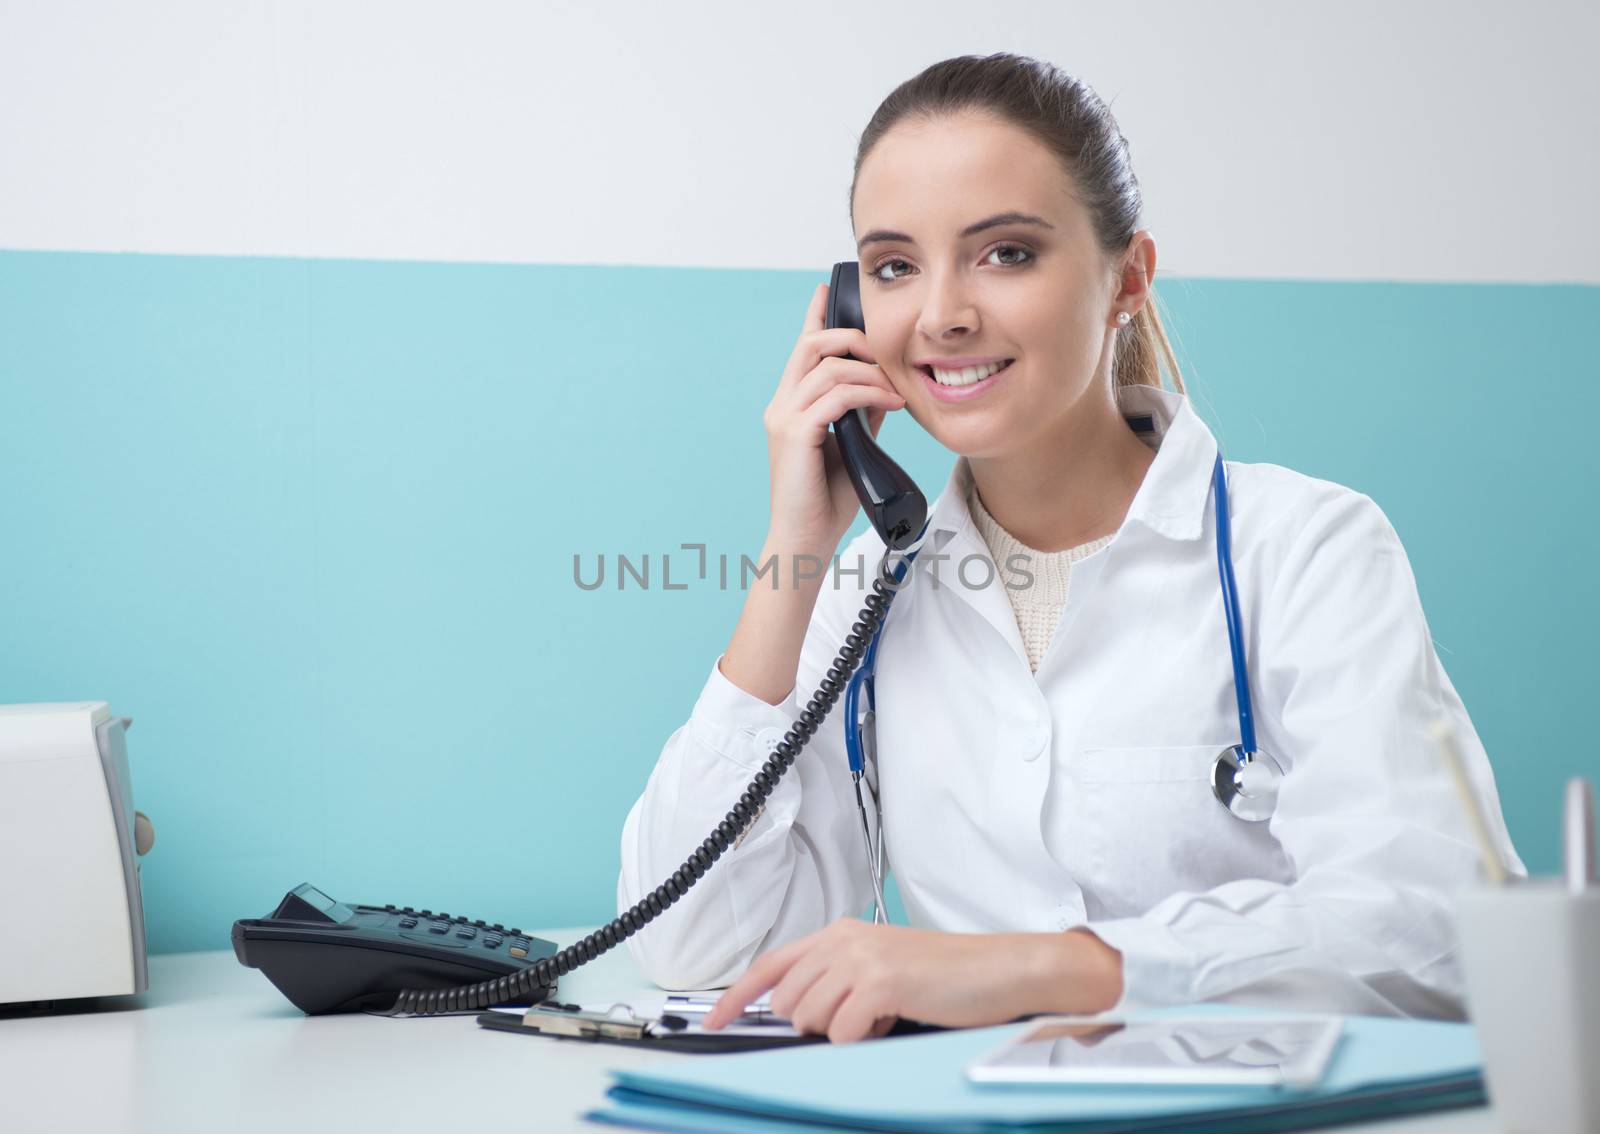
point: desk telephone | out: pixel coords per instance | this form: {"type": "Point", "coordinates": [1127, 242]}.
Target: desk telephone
{"type": "Point", "coordinates": [328, 957]}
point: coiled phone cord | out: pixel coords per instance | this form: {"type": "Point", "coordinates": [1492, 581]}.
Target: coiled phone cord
{"type": "Point", "coordinates": [536, 979]}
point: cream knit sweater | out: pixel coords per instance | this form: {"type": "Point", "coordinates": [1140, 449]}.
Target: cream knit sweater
{"type": "Point", "coordinates": [1037, 605]}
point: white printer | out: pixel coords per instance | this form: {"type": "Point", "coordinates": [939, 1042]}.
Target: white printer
{"type": "Point", "coordinates": [70, 843]}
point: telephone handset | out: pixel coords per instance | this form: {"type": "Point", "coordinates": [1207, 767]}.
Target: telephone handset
{"type": "Point", "coordinates": [347, 960]}
{"type": "Point", "coordinates": [890, 498]}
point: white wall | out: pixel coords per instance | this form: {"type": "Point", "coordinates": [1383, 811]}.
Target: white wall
{"type": "Point", "coordinates": [1351, 140]}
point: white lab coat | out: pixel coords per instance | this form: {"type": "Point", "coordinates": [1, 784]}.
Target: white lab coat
{"type": "Point", "coordinates": [1080, 794]}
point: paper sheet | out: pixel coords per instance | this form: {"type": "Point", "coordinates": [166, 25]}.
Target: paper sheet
{"type": "Point", "coordinates": [652, 1008]}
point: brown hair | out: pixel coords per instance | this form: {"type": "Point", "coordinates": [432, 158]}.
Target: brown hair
{"type": "Point", "coordinates": [1068, 118]}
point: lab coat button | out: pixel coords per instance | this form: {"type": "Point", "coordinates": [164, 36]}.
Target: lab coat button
{"type": "Point", "coordinates": [767, 739]}
{"type": "Point", "coordinates": [1069, 915]}
{"type": "Point", "coordinates": [1038, 740]}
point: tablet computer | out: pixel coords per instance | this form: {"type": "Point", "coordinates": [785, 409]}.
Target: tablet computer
{"type": "Point", "coordinates": [1223, 1050]}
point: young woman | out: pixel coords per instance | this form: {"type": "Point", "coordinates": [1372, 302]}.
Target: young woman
{"type": "Point", "coordinates": [1054, 680]}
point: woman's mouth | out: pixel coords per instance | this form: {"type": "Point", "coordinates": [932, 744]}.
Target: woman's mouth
{"type": "Point", "coordinates": [970, 384]}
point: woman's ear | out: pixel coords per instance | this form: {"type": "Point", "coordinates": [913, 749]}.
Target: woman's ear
{"type": "Point", "coordinates": [1137, 273]}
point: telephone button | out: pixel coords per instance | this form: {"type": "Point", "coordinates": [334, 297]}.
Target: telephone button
{"type": "Point", "coordinates": [491, 942]}
{"type": "Point", "coordinates": [466, 933]}
{"type": "Point", "coordinates": [408, 923]}
{"type": "Point", "coordinates": [439, 927]}
{"type": "Point", "coordinates": [517, 951]}
{"type": "Point", "coordinates": [436, 942]}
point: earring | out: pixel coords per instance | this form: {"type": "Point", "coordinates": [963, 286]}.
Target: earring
{"type": "Point", "coordinates": [1122, 318]}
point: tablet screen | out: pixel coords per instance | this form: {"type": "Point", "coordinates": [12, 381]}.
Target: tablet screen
{"type": "Point", "coordinates": [1196, 1050]}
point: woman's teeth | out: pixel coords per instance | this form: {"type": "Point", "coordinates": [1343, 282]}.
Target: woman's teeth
{"type": "Point", "coordinates": [967, 376]}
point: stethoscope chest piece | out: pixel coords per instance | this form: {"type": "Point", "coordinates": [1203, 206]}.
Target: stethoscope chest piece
{"type": "Point", "coordinates": [1247, 784]}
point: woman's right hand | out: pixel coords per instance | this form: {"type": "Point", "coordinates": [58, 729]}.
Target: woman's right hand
{"type": "Point", "coordinates": [813, 499]}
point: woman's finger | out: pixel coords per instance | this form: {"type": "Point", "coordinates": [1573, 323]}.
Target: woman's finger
{"type": "Point", "coordinates": [827, 374]}
{"type": "Point", "coordinates": [800, 977]}
{"type": "Point", "coordinates": [860, 1013]}
{"type": "Point", "coordinates": [875, 418]}
{"type": "Point", "coordinates": [813, 350]}
{"type": "Point", "coordinates": [799, 361]}
{"type": "Point", "coordinates": [766, 971]}
{"type": "Point", "coordinates": [814, 1012]}
{"type": "Point", "coordinates": [848, 396]}
{"type": "Point", "coordinates": [731, 1004]}
{"type": "Point", "coordinates": [816, 314]}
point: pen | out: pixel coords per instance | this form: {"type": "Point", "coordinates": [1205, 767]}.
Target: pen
{"type": "Point", "coordinates": [1446, 741]}
{"type": "Point", "coordinates": [699, 1006]}
{"type": "Point", "coordinates": [1578, 835]}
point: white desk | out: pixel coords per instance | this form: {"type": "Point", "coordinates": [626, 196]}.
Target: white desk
{"type": "Point", "coordinates": [213, 1046]}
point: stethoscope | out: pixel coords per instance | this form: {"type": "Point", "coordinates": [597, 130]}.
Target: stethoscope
{"type": "Point", "coordinates": [1244, 779]}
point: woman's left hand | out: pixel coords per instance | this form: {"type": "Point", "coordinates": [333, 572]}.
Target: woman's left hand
{"type": "Point", "coordinates": [854, 979]}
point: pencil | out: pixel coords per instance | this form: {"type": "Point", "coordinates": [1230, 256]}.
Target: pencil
{"type": "Point", "coordinates": [1445, 739]}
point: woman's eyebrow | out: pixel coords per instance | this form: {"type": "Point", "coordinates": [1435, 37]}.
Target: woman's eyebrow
{"type": "Point", "coordinates": [883, 235]}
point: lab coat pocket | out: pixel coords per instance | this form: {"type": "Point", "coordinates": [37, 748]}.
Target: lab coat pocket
{"type": "Point", "coordinates": [1154, 828]}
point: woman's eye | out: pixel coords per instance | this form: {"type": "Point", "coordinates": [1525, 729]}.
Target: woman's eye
{"type": "Point", "coordinates": [1012, 248]}
{"type": "Point", "coordinates": [884, 265]}
{"type": "Point", "coordinates": [877, 272]}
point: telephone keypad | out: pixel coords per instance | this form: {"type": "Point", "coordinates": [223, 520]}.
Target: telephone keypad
{"type": "Point", "coordinates": [471, 932]}
{"type": "Point", "coordinates": [493, 935]}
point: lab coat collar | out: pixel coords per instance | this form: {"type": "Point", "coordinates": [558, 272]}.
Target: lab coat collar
{"type": "Point", "coordinates": [1171, 501]}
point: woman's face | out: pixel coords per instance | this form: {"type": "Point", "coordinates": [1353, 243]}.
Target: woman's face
{"type": "Point", "coordinates": [1041, 296]}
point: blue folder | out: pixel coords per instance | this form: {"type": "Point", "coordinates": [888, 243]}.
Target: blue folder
{"type": "Point", "coordinates": [1382, 1068]}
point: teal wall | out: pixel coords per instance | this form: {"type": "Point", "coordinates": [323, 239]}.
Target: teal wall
{"type": "Point", "coordinates": [311, 523]}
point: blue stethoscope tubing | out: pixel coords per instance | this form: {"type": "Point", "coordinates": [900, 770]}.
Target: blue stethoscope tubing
{"type": "Point", "coordinates": [1245, 785]}
{"type": "Point", "coordinates": [858, 740]}
{"type": "Point", "coordinates": [1244, 779]}
{"type": "Point", "coordinates": [1230, 611]}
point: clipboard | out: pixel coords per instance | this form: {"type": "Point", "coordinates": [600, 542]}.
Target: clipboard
{"type": "Point", "coordinates": [568, 1021]}
{"type": "Point", "coordinates": [701, 1045]}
